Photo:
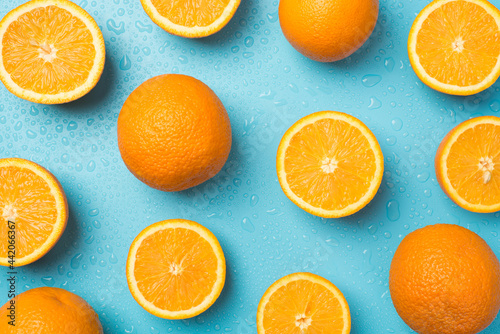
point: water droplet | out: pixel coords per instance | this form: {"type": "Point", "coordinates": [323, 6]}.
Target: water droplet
{"type": "Point", "coordinates": [30, 134]}
{"type": "Point", "coordinates": [247, 225]}
{"type": "Point", "coordinates": [72, 126]}
{"type": "Point", "coordinates": [397, 124]}
{"type": "Point", "coordinates": [374, 103]}
{"type": "Point", "coordinates": [423, 177]}
{"type": "Point", "coordinates": [254, 200]}
{"type": "Point", "coordinates": [389, 64]}
{"type": "Point", "coordinates": [249, 41]}
{"type": "Point", "coordinates": [48, 281]}
{"type": "Point", "coordinates": [125, 63]}
{"type": "Point", "coordinates": [75, 261]}
{"type": "Point", "coordinates": [93, 212]}
{"type": "Point", "coordinates": [393, 210]}
{"type": "Point", "coordinates": [371, 80]}
{"type": "Point", "coordinates": [495, 106]}
{"type": "Point", "coordinates": [91, 166]}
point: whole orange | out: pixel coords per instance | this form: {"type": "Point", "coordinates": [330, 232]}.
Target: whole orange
{"type": "Point", "coordinates": [330, 30]}
{"type": "Point", "coordinates": [445, 279]}
{"type": "Point", "coordinates": [49, 311]}
{"type": "Point", "coordinates": [174, 133]}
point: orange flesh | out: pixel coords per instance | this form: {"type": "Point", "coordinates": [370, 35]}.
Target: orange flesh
{"type": "Point", "coordinates": [175, 269]}
{"type": "Point", "coordinates": [305, 165]}
{"type": "Point", "coordinates": [464, 164]}
{"type": "Point", "coordinates": [459, 44]}
{"type": "Point", "coordinates": [25, 199]}
{"type": "Point", "coordinates": [48, 50]}
{"type": "Point", "coordinates": [303, 302]}
{"type": "Point", "coordinates": [191, 13]}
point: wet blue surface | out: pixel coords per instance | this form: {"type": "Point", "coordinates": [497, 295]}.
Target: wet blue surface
{"type": "Point", "coordinates": [266, 86]}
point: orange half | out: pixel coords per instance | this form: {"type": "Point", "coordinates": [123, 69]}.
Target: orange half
{"type": "Point", "coordinates": [191, 18]}
{"type": "Point", "coordinates": [33, 211]}
{"type": "Point", "coordinates": [51, 51]}
{"type": "Point", "coordinates": [468, 164]}
{"type": "Point", "coordinates": [176, 269]}
{"type": "Point", "coordinates": [454, 46]}
{"type": "Point", "coordinates": [303, 303]}
{"type": "Point", "coordinates": [329, 164]}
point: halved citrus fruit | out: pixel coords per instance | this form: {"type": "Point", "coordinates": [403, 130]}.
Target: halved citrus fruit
{"type": "Point", "coordinates": [330, 164]}
{"type": "Point", "coordinates": [176, 269]}
{"type": "Point", "coordinates": [33, 211]}
{"type": "Point", "coordinates": [51, 51]}
{"type": "Point", "coordinates": [303, 303]}
{"type": "Point", "coordinates": [468, 164]}
{"type": "Point", "coordinates": [191, 18]}
{"type": "Point", "coordinates": [454, 46]}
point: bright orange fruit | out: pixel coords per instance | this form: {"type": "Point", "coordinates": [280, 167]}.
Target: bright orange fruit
{"type": "Point", "coordinates": [468, 164]}
{"type": "Point", "coordinates": [327, 31]}
{"type": "Point", "coordinates": [454, 46]}
{"type": "Point", "coordinates": [445, 279]}
{"type": "Point", "coordinates": [50, 311]}
{"type": "Point", "coordinates": [303, 303]}
{"type": "Point", "coordinates": [176, 269]}
{"type": "Point", "coordinates": [174, 133]}
{"type": "Point", "coordinates": [329, 164]}
{"type": "Point", "coordinates": [52, 51]}
{"type": "Point", "coordinates": [33, 205]}
{"type": "Point", "coordinates": [191, 18]}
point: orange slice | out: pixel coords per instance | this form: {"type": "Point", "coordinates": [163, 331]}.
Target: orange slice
{"type": "Point", "coordinates": [454, 46]}
{"type": "Point", "coordinates": [303, 303]}
{"type": "Point", "coordinates": [51, 51]}
{"type": "Point", "coordinates": [176, 269]}
{"type": "Point", "coordinates": [33, 211]}
{"type": "Point", "coordinates": [191, 18]}
{"type": "Point", "coordinates": [468, 164]}
{"type": "Point", "coordinates": [329, 164]}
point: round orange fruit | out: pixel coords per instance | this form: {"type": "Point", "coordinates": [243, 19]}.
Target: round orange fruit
{"type": "Point", "coordinates": [33, 211]}
{"type": "Point", "coordinates": [327, 31]}
{"type": "Point", "coordinates": [445, 279]}
{"type": "Point", "coordinates": [468, 164]}
{"type": "Point", "coordinates": [174, 133]}
{"type": "Point", "coordinates": [49, 311]}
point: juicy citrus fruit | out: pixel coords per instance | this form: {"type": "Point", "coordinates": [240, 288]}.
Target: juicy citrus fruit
{"type": "Point", "coordinates": [445, 279]}
{"type": "Point", "coordinates": [49, 311]}
{"type": "Point", "coordinates": [174, 133]}
{"type": "Point", "coordinates": [51, 51]}
{"type": "Point", "coordinates": [33, 208]}
{"type": "Point", "coordinates": [468, 164]}
{"type": "Point", "coordinates": [454, 46]}
{"type": "Point", "coordinates": [191, 18]}
{"type": "Point", "coordinates": [303, 303]}
{"type": "Point", "coordinates": [329, 164]}
{"type": "Point", "coordinates": [176, 269]}
{"type": "Point", "coordinates": [327, 31]}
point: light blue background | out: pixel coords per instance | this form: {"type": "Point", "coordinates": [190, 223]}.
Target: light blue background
{"type": "Point", "coordinates": [266, 86]}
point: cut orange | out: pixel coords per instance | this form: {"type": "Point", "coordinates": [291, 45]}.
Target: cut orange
{"type": "Point", "coordinates": [191, 18]}
{"type": "Point", "coordinates": [330, 164]}
{"type": "Point", "coordinates": [468, 164]}
{"type": "Point", "coordinates": [51, 51]}
{"type": "Point", "coordinates": [33, 208]}
{"type": "Point", "coordinates": [176, 269]}
{"type": "Point", "coordinates": [303, 303]}
{"type": "Point", "coordinates": [454, 46]}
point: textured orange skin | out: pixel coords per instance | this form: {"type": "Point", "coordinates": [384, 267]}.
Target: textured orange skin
{"type": "Point", "coordinates": [49, 311]}
{"type": "Point", "coordinates": [445, 279]}
{"type": "Point", "coordinates": [327, 30]}
{"type": "Point", "coordinates": [174, 133]}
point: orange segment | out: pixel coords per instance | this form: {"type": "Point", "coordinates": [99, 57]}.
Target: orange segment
{"type": "Point", "coordinates": [329, 164]}
{"type": "Point", "coordinates": [454, 45]}
{"type": "Point", "coordinates": [191, 18]}
{"type": "Point", "coordinates": [52, 51]}
{"type": "Point", "coordinates": [32, 200]}
{"type": "Point", "coordinates": [468, 164]}
{"type": "Point", "coordinates": [176, 269]}
{"type": "Point", "coordinates": [303, 303]}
